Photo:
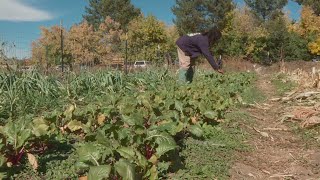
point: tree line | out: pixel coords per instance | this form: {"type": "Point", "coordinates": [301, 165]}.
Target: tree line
{"type": "Point", "coordinates": [260, 31]}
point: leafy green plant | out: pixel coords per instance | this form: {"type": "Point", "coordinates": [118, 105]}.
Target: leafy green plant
{"type": "Point", "coordinates": [16, 135]}
{"type": "Point", "coordinates": [127, 127]}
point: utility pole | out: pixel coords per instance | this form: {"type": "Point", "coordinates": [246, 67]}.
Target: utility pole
{"type": "Point", "coordinates": [47, 60]}
{"type": "Point", "coordinates": [126, 60]}
{"type": "Point", "coordinates": [61, 30]}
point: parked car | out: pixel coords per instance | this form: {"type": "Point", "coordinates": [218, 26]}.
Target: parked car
{"type": "Point", "coordinates": [26, 68]}
{"type": "Point", "coordinates": [140, 64]}
{"type": "Point", "coordinates": [316, 59]}
{"type": "Point", "coordinates": [59, 68]}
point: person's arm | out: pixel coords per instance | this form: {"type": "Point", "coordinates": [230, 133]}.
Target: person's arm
{"type": "Point", "coordinates": [206, 52]}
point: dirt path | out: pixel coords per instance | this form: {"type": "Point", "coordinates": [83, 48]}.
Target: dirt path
{"type": "Point", "coordinates": [278, 152]}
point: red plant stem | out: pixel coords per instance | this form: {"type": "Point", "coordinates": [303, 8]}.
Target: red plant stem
{"type": "Point", "coordinates": [17, 159]}
{"type": "Point", "coordinates": [149, 151]}
{"type": "Point", "coordinates": [20, 155]}
{"type": "Point", "coordinates": [146, 124]}
{"type": "Point", "coordinates": [42, 147]}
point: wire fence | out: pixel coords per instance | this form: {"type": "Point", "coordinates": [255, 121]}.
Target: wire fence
{"type": "Point", "coordinates": [14, 47]}
{"type": "Point", "coordinates": [16, 53]}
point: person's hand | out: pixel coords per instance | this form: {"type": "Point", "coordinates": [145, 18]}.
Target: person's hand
{"type": "Point", "coordinates": [220, 71]}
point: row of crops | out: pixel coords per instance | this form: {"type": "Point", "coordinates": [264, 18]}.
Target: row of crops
{"type": "Point", "coordinates": [105, 125]}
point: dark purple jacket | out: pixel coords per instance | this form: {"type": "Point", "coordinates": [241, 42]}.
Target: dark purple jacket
{"type": "Point", "coordinates": [194, 46]}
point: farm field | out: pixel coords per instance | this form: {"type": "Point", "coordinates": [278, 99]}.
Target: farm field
{"type": "Point", "coordinates": [107, 125]}
{"type": "Point", "coordinates": [100, 89]}
{"type": "Point", "coordinates": [147, 125]}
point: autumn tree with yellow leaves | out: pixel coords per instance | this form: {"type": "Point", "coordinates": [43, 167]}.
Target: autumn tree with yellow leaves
{"type": "Point", "coordinates": [89, 46]}
{"type": "Point", "coordinates": [315, 47]}
{"type": "Point", "coordinates": [46, 51]}
{"type": "Point", "coordinates": [309, 28]}
{"type": "Point", "coordinates": [82, 44]}
{"type": "Point", "coordinates": [242, 35]}
{"type": "Point", "coordinates": [81, 40]}
{"type": "Point", "coordinates": [247, 36]}
{"type": "Point", "coordinates": [310, 23]}
{"type": "Point", "coordinates": [147, 39]}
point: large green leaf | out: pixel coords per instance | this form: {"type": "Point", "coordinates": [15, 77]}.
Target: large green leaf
{"type": "Point", "coordinates": [163, 166]}
{"type": "Point", "coordinates": [141, 160]}
{"type": "Point", "coordinates": [202, 106]}
{"type": "Point", "coordinates": [22, 137]}
{"type": "Point", "coordinates": [160, 137]}
{"type": "Point", "coordinates": [40, 130]}
{"type": "Point", "coordinates": [99, 172]}
{"type": "Point", "coordinates": [165, 147]}
{"type": "Point", "coordinates": [3, 175]}
{"type": "Point", "coordinates": [196, 130]}
{"type": "Point", "coordinates": [174, 114]}
{"type": "Point", "coordinates": [40, 127]}
{"type": "Point", "coordinates": [1, 144]}
{"type": "Point", "coordinates": [68, 113]}
{"type": "Point", "coordinates": [178, 106]}
{"type": "Point", "coordinates": [81, 165]}
{"type": "Point", "coordinates": [125, 107]}
{"type": "Point", "coordinates": [144, 100]}
{"type": "Point", "coordinates": [89, 152]}
{"type": "Point", "coordinates": [125, 169]}
{"type": "Point", "coordinates": [103, 139]}
{"type": "Point", "coordinates": [166, 126]}
{"type": "Point", "coordinates": [74, 125]}
{"type": "Point", "coordinates": [123, 133]}
{"type": "Point", "coordinates": [153, 173]}
{"type": "Point", "coordinates": [127, 152]}
{"type": "Point", "coordinates": [158, 100]}
{"type": "Point", "coordinates": [133, 119]}
{"type": "Point", "coordinates": [164, 141]}
{"type": "Point", "coordinates": [211, 114]}
{"type": "Point", "coordinates": [16, 133]}
{"type": "Point", "coordinates": [171, 127]}
{"type": "Point", "coordinates": [2, 160]}
{"type": "Point", "coordinates": [52, 116]}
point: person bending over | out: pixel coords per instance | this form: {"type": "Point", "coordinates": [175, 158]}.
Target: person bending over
{"type": "Point", "coordinates": [193, 45]}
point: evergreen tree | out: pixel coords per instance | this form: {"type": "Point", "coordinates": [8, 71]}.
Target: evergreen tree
{"type": "Point", "coordinates": [266, 9]}
{"type": "Point", "coordinates": [199, 15]}
{"type": "Point", "coordinates": [315, 4]}
{"type": "Point", "coordinates": [121, 11]}
{"type": "Point", "coordinates": [278, 37]}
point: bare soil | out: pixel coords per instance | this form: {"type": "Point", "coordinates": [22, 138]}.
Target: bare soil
{"type": "Point", "coordinates": [277, 151]}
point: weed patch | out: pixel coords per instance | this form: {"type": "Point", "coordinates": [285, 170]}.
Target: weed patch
{"type": "Point", "coordinates": [211, 158]}
{"type": "Point", "coordinates": [282, 84]}
{"type": "Point", "coordinates": [309, 136]}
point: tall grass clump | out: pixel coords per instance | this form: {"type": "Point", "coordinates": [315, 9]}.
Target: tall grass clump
{"type": "Point", "coordinates": [32, 93]}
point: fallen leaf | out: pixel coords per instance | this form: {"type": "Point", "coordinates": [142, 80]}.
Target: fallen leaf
{"type": "Point", "coordinates": [153, 159]}
{"type": "Point", "coordinates": [311, 122]}
{"type": "Point", "coordinates": [33, 161]}
{"type": "Point", "coordinates": [303, 112]}
{"type": "Point", "coordinates": [306, 94]}
{"type": "Point", "coordinates": [83, 178]}
{"type": "Point", "coordinates": [251, 175]}
{"type": "Point", "coordinates": [194, 120]}
{"type": "Point", "coordinates": [275, 99]}
{"type": "Point", "coordinates": [264, 134]}
{"type": "Point", "coordinates": [74, 125]}
{"type": "Point", "coordinates": [125, 125]}
{"type": "Point", "coordinates": [101, 119]}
